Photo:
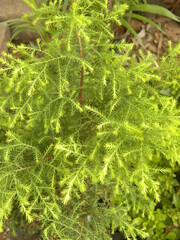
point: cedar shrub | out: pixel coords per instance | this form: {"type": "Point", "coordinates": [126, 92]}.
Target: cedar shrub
{"type": "Point", "coordinates": [83, 126]}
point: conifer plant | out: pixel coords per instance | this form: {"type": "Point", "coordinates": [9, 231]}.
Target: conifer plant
{"type": "Point", "coordinates": [83, 125]}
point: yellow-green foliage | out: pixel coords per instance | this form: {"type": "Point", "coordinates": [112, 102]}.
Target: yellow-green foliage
{"type": "Point", "coordinates": [79, 166]}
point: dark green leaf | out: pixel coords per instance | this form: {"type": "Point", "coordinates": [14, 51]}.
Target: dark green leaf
{"type": "Point", "coordinates": [144, 19]}
{"type": "Point", "coordinates": [150, 8]}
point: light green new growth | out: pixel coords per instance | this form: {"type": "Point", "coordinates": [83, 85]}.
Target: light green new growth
{"type": "Point", "coordinates": [84, 123]}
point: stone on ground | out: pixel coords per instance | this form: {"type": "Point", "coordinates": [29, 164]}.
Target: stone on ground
{"type": "Point", "coordinates": [10, 9]}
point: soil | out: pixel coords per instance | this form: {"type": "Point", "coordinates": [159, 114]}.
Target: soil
{"type": "Point", "coordinates": [154, 41]}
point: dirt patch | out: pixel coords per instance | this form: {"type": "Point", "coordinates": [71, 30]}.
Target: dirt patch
{"type": "Point", "coordinates": [153, 39]}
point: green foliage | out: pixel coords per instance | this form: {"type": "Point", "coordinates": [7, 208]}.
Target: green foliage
{"type": "Point", "coordinates": [133, 9]}
{"type": "Point", "coordinates": [170, 88]}
{"type": "Point", "coordinates": [83, 125]}
{"type": "Point", "coordinates": [163, 223]}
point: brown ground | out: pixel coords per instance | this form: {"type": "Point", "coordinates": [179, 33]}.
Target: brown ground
{"type": "Point", "coordinates": [154, 40]}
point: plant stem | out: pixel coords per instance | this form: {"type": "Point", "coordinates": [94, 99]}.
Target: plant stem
{"type": "Point", "coordinates": [82, 70]}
